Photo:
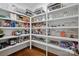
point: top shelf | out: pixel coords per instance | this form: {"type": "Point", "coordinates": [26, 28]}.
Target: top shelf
{"type": "Point", "coordinates": [7, 12]}
{"type": "Point", "coordinates": [10, 11]}
{"type": "Point", "coordinates": [69, 6]}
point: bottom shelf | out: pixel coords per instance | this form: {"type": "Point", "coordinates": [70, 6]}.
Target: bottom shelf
{"type": "Point", "coordinates": [14, 45]}
{"type": "Point", "coordinates": [12, 49]}
{"type": "Point", "coordinates": [54, 46]}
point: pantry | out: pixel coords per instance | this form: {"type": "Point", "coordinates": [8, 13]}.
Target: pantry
{"type": "Point", "coordinates": [54, 28]}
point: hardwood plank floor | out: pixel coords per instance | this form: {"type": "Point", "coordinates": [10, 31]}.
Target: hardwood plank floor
{"type": "Point", "coordinates": [33, 52]}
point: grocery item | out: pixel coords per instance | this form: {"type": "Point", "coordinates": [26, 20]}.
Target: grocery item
{"type": "Point", "coordinates": [12, 41]}
{"type": "Point", "coordinates": [39, 10]}
{"type": "Point", "coordinates": [13, 24]}
{"type": "Point", "coordinates": [26, 19]}
{"type": "Point", "coordinates": [72, 45]}
{"type": "Point", "coordinates": [0, 46]}
{"type": "Point", "coordinates": [14, 33]}
{"type": "Point", "coordinates": [62, 34]}
{"type": "Point", "coordinates": [18, 32]}
{"type": "Point", "coordinates": [52, 6]}
{"type": "Point", "coordinates": [6, 23]}
{"type": "Point", "coordinates": [4, 44]}
{"type": "Point", "coordinates": [54, 42]}
{"type": "Point", "coordinates": [1, 33]}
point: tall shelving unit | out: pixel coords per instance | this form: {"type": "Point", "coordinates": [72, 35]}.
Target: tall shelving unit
{"type": "Point", "coordinates": [57, 20]}
{"type": "Point", "coordinates": [12, 16]}
{"type": "Point", "coordinates": [45, 28]}
{"type": "Point", "coordinates": [61, 17]}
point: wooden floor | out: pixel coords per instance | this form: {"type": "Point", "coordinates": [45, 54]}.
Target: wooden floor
{"type": "Point", "coordinates": [33, 52]}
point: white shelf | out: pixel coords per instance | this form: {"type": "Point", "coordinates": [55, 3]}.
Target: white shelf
{"type": "Point", "coordinates": [5, 18]}
{"type": "Point", "coordinates": [39, 15]}
{"type": "Point", "coordinates": [63, 27]}
{"type": "Point", "coordinates": [60, 48]}
{"type": "Point", "coordinates": [39, 21]}
{"type": "Point", "coordinates": [14, 20]}
{"type": "Point", "coordinates": [10, 11]}
{"type": "Point", "coordinates": [65, 17]}
{"type": "Point", "coordinates": [60, 9]}
{"type": "Point", "coordinates": [54, 46]}
{"type": "Point", "coordinates": [55, 27]}
{"type": "Point", "coordinates": [24, 35]}
{"type": "Point", "coordinates": [56, 37]}
{"type": "Point", "coordinates": [63, 38]}
{"type": "Point", "coordinates": [14, 28]}
{"type": "Point", "coordinates": [39, 42]}
{"type": "Point", "coordinates": [39, 35]}
{"type": "Point", "coordinates": [17, 13]}
{"type": "Point", "coordinates": [69, 6]}
{"type": "Point", "coordinates": [8, 37]}
{"type": "Point", "coordinates": [39, 28]}
{"type": "Point", "coordinates": [15, 45]}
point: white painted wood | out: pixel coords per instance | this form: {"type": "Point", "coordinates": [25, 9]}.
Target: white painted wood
{"type": "Point", "coordinates": [56, 37]}
{"type": "Point", "coordinates": [10, 11]}
{"type": "Point", "coordinates": [11, 49]}
{"type": "Point", "coordinates": [10, 28]}
{"type": "Point", "coordinates": [53, 49]}
{"type": "Point", "coordinates": [30, 33]}
{"type": "Point", "coordinates": [66, 17]}
{"type": "Point", "coordinates": [38, 35]}
{"type": "Point", "coordinates": [63, 27]}
{"type": "Point", "coordinates": [78, 28]}
{"type": "Point", "coordinates": [69, 6]}
{"type": "Point", "coordinates": [46, 32]}
{"type": "Point", "coordinates": [8, 37]}
{"type": "Point", "coordinates": [63, 38]}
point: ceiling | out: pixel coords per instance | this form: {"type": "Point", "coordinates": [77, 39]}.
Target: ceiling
{"type": "Point", "coordinates": [31, 6]}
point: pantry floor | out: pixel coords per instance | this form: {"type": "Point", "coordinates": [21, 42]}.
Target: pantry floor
{"type": "Point", "coordinates": [33, 52]}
